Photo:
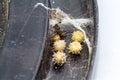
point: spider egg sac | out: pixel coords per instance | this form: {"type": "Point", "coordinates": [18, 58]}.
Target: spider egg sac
{"type": "Point", "coordinates": [59, 45]}
{"type": "Point", "coordinates": [59, 58]}
{"type": "Point", "coordinates": [56, 37]}
{"type": "Point", "coordinates": [78, 36]}
{"type": "Point", "coordinates": [75, 47]}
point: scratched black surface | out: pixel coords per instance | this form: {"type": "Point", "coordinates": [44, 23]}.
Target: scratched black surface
{"type": "Point", "coordinates": [76, 67]}
{"type": "Point", "coordinates": [24, 41]}
{"type": "Point", "coordinates": [3, 19]}
{"type": "Point", "coordinates": [76, 8]}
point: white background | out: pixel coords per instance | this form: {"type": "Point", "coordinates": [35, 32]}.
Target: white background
{"type": "Point", "coordinates": [107, 63]}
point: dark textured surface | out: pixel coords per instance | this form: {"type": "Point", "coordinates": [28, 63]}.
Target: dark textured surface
{"type": "Point", "coordinates": [96, 28]}
{"type": "Point", "coordinates": [3, 19]}
{"type": "Point", "coordinates": [21, 52]}
{"type": "Point", "coordinates": [76, 67]}
{"type": "Point", "coordinates": [24, 42]}
{"type": "Point", "coordinates": [76, 8]}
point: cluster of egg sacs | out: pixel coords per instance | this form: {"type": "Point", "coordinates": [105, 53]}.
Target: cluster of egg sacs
{"type": "Point", "coordinates": [59, 57]}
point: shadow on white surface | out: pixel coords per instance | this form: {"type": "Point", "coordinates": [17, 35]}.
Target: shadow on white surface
{"type": "Point", "coordinates": [107, 63]}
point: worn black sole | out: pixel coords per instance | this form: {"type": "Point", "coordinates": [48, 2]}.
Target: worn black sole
{"type": "Point", "coordinates": [25, 46]}
{"type": "Point", "coordinates": [76, 67]}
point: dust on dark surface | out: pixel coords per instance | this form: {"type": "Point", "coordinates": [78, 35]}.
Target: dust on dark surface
{"type": "Point", "coordinates": [24, 41]}
{"type": "Point", "coordinates": [3, 19]}
{"type": "Point", "coordinates": [75, 67]}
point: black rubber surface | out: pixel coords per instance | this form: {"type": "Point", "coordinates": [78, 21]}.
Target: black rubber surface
{"type": "Point", "coordinates": [76, 67]}
{"type": "Point", "coordinates": [27, 46]}
{"type": "Point", "coordinates": [24, 42]}
{"type": "Point", "coordinates": [76, 8]}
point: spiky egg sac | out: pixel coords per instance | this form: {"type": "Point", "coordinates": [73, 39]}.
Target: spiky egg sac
{"type": "Point", "coordinates": [78, 36]}
{"type": "Point", "coordinates": [56, 37]}
{"type": "Point", "coordinates": [59, 45]}
{"type": "Point", "coordinates": [75, 47]}
{"type": "Point", "coordinates": [59, 58]}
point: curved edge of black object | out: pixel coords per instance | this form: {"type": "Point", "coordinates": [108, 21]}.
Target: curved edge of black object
{"type": "Point", "coordinates": [91, 10]}
{"type": "Point", "coordinates": [45, 40]}
{"type": "Point", "coordinates": [3, 19]}
{"type": "Point", "coordinates": [23, 46]}
{"type": "Point", "coordinates": [96, 21]}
